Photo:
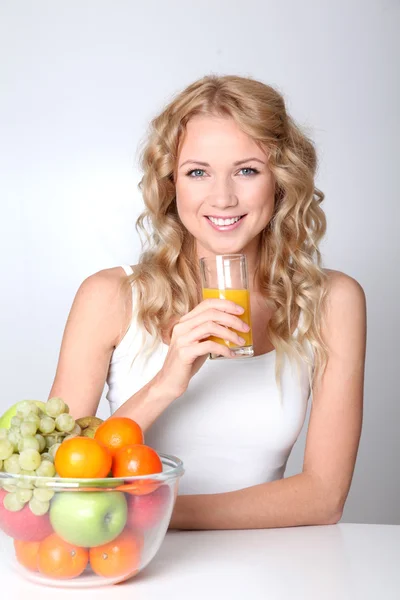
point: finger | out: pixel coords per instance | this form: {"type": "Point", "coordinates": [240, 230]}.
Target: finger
{"type": "Point", "coordinates": [211, 328]}
{"type": "Point", "coordinates": [220, 317]}
{"type": "Point", "coordinates": [214, 303]}
{"type": "Point", "coordinates": [208, 347]}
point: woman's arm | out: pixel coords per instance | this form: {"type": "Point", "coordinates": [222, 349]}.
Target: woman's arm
{"type": "Point", "coordinates": [318, 494]}
{"type": "Point", "coordinates": [98, 319]}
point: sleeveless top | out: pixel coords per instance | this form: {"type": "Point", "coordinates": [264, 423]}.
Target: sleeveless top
{"type": "Point", "coordinates": [231, 428]}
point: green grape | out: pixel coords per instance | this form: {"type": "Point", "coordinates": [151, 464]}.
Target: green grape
{"type": "Point", "coordinates": [11, 465]}
{"type": "Point", "coordinates": [47, 456]}
{"type": "Point", "coordinates": [43, 494]}
{"type": "Point", "coordinates": [65, 423]}
{"type": "Point", "coordinates": [43, 482]}
{"type": "Point", "coordinates": [28, 428]}
{"type": "Point", "coordinates": [25, 483]}
{"type": "Point", "coordinates": [27, 443]}
{"type": "Point", "coordinates": [23, 495]}
{"type": "Point", "coordinates": [6, 449]}
{"type": "Point", "coordinates": [37, 507]}
{"type": "Point", "coordinates": [47, 425]}
{"type": "Point", "coordinates": [49, 440]}
{"type": "Point", "coordinates": [1, 465]}
{"type": "Point", "coordinates": [33, 419]}
{"type": "Point", "coordinates": [53, 450]}
{"type": "Point", "coordinates": [16, 422]}
{"type": "Point", "coordinates": [27, 407]}
{"type": "Point", "coordinates": [54, 438]}
{"type": "Point", "coordinates": [55, 406]}
{"type": "Point", "coordinates": [29, 460]}
{"type": "Point", "coordinates": [70, 436]}
{"type": "Point", "coordinates": [9, 487]}
{"type": "Point", "coordinates": [46, 469]}
{"type": "Point", "coordinates": [14, 437]}
{"type": "Point", "coordinates": [42, 442]}
{"type": "Point", "coordinates": [28, 473]}
{"type": "Point", "coordinates": [3, 433]}
{"type": "Point", "coordinates": [77, 430]}
{"type": "Point", "coordinates": [12, 503]}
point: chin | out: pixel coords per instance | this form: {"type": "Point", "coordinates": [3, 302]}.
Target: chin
{"type": "Point", "coordinates": [228, 247]}
{"type": "Point", "coordinates": [224, 249]}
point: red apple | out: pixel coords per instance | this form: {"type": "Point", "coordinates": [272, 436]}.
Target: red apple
{"type": "Point", "coordinates": [23, 524]}
{"type": "Point", "coordinates": [145, 511]}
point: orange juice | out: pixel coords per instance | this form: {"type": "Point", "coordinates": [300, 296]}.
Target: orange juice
{"type": "Point", "coordinates": [240, 297]}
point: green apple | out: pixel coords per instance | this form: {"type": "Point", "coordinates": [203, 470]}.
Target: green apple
{"type": "Point", "coordinates": [107, 482]}
{"type": "Point", "coordinates": [88, 519]}
{"type": "Point", "coordinates": [5, 419]}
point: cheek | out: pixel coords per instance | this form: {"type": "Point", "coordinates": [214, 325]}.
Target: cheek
{"type": "Point", "coordinates": [261, 200]}
{"type": "Point", "coordinates": [188, 199]}
{"type": "Point", "coordinates": [186, 208]}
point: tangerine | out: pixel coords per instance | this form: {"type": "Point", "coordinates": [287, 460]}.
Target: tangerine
{"type": "Point", "coordinates": [27, 554]}
{"type": "Point", "coordinates": [137, 460]}
{"type": "Point", "coordinates": [117, 432]}
{"type": "Point", "coordinates": [61, 560]}
{"type": "Point", "coordinates": [119, 558]}
{"type": "Point", "coordinates": [82, 457]}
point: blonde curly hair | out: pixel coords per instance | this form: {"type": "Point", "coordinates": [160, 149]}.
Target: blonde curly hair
{"type": "Point", "coordinates": [289, 269]}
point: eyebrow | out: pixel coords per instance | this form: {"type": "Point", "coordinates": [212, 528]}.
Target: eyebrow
{"type": "Point", "coordinates": [235, 164]}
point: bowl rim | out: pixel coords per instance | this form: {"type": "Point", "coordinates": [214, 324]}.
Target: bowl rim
{"type": "Point", "coordinates": [177, 470]}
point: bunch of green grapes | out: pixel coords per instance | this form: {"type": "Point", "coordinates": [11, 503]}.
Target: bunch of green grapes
{"type": "Point", "coordinates": [29, 447]}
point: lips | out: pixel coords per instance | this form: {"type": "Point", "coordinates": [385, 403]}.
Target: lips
{"type": "Point", "coordinates": [229, 227]}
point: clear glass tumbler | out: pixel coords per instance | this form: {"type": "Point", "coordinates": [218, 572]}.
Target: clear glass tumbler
{"type": "Point", "coordinates": [226, 276]}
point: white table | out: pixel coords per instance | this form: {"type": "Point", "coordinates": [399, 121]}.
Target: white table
{"type": "Point", "coordinates": [334, 562]}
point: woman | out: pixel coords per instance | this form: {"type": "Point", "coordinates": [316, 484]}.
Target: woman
{"type": "Point", "coordinates": [226, 148]}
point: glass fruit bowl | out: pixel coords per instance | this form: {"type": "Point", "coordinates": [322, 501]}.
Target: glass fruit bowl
{"type": "Point", "coordinates": [86, 532]}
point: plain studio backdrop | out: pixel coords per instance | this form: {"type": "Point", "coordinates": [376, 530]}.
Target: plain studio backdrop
{"type": "Point", "coordinates": [80, 81]}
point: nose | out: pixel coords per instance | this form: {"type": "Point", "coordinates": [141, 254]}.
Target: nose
{"type": "Point", "coordinates": [223, 194]}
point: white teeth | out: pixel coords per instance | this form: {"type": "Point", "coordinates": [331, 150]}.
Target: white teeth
{"type": "Point", "coordinates": [223, 222]}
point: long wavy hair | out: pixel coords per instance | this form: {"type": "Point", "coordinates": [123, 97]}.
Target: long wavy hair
{"type": "Point", "coordinates": [289, 269]}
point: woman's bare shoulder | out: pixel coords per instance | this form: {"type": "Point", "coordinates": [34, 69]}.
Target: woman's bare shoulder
{"type": "Point", "coordinates": [109, 295]}
{"type": "Point", "coordinates": [112, 275]}
{"type": "Point", "coordinates": [339, 282]}
{"type": "Point", "coordinates": [344, 293]}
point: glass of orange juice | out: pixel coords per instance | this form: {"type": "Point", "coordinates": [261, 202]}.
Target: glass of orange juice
{"type": "Point", "coordinates": [226, 276]}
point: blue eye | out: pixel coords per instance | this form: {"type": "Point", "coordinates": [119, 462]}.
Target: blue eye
{"type": "Point", "coordinates": [253, 171]}
{"type": "Point", "coordinates": [197, 171]}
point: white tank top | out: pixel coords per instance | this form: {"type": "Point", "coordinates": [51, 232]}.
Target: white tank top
{"type": "Point", "coordinates": [230, 428]}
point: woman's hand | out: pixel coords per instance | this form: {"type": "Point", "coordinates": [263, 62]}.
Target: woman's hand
{"type": "Point", "coordinates": [189, 346]}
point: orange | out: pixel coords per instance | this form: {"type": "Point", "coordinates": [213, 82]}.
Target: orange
{"type": "Point", "coordinates": [137, 460]}
{"type": "Point", "coordinates": [119, 558]}
{"type": "Point", "coordinates": [61, 560]}
{"type": "Point", "coordinates": [117, 432]}
{"type": "Point", "coordinates": [27, 554]}
{"type": "Point", "coordinates": [82, 457]}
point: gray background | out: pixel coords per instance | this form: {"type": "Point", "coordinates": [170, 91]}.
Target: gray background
{"type": "Point", "coordinates": [80, 80]}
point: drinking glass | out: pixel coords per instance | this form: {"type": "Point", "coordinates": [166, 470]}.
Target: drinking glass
{"type": "Point", "coordinates": [226, 276]}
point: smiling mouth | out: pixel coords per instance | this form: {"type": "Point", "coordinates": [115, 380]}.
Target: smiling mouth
{"type": "Point", "coordinates": [224, 222]}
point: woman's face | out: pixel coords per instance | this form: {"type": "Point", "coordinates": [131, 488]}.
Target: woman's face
{"type": "Point", "coordinates": [222, 175]}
